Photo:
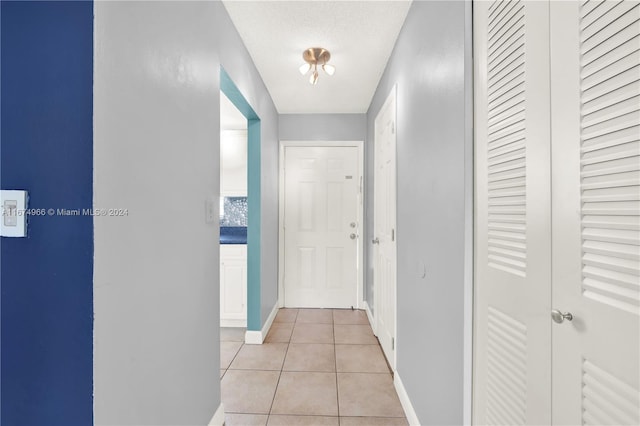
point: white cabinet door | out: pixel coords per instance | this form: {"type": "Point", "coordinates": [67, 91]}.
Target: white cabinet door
{"type": "Point", "coordinates": [595, 75]}
{"type": "Point", "coordinates": [321, 191]}
{"type": "Point", "coordinates": [512, 359]}
{"type": "Point", "coordinates": [233, 163]}
{"type": "Point", "coordinates": [233, 285]}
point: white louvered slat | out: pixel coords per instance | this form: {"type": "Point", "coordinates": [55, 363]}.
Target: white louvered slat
{"type": "Point", "coordinates": [607, 399]}
{"type": "Point", "coordinates": [506, 148]}
{"type": "Point", "coordinates": [610, 155]}
{"type": "Point", "coordinates": [506, 369]}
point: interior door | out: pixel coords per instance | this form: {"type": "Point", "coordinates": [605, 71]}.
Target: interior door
{"type": "Point", "coordinates": [384, 273]}
{"type": "Point", "coordinates": [512, 333]}
{"type": "Point", "coordinates": [595, 75]}
{"type": "Point", "coordinates": [321, 226]}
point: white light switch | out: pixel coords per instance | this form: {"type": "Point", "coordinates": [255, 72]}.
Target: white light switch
{"type": "Point", "coordinates": [209, 210]}
{"type": "Point", "coordinates": [14, 213]}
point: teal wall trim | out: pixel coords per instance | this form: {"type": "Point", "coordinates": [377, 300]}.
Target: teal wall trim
{"type": "Point", "coordinates": [253, 229]}
{"type": "Point", "coordinates": [228, 87]}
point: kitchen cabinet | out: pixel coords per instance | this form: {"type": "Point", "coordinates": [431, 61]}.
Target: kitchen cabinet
{"type": "Point", "coordinates": [233, 285]}
{"type": "Point", "coordinates": [233, 163]}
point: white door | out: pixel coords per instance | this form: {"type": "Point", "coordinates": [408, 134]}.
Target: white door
{"type": "Point", "coordinates": [595, 79]}
{"type": "Point", "coordinates": [512, 354]}
{"type": "Point", "coordinates": [321, 229]}
{"type": "Point", "coordinates": [384, 272]}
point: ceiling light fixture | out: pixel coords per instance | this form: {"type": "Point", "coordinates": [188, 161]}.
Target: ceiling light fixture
{"type": "Point", "coordinates": [314, 56]}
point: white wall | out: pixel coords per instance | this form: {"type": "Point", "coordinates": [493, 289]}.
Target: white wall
{"type": "Point", "coordinates": [323, 127]}
{"type": "Point", "coordinates": [156, 153]}
{"type": "Point", "coordinates": [431, 65]}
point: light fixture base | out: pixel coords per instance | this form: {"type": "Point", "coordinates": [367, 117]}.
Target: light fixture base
{"type": "Point", "coordinates": [316, 55]}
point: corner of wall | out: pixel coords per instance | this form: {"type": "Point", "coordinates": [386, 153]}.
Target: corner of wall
{"type": "Point", "coordinates": [257, 337]}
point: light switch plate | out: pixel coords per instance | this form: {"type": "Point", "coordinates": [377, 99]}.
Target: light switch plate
{"type": "Point", "coordinates": [210, 210]}
{"type": "Point", "coordinates": [13, 206]}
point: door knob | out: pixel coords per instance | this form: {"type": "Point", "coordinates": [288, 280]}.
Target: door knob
{"type": "Point", "coordinates": [559, 317]}
{"type": "Point", "coordinates": [352, 236]}
{"type": "Point", "coordinates": [375, 241]}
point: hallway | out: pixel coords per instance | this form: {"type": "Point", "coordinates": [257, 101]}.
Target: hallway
{"type": "Point", "coordinates": [316, 367]}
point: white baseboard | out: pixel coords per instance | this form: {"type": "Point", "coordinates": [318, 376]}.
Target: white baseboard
{"type": "Point", "coordinates": [257, 337]}
{"type": "Point", "coordinates": [412, 417]}
{"type": "Point", "coordinates": [370, 316]}
{"type": "Point", "coordinates": [218, 417]}
{"type": "Point", "coordinates": [225, 322]}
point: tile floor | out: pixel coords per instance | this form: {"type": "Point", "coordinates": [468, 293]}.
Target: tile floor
{"type": "Point", "coordinates": [316, 367]}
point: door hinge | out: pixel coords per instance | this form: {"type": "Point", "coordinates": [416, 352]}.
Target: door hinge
{"type": "Point", "coordinates": [393, 235]}
{"type": "Point", "coordinates": [393, 343]}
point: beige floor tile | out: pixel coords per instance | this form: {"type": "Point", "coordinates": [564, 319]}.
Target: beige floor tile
{"type": "Point", "coordinates": [235, 419]}
{"type": "Point", "coordinates": [348, 316]}
{"type": "Point", "coordinates": [368, 395]}
{"type": "Point", "coordinates": [373, 421]}
{"type": "Point", "coordinates": [232, 334]}
{"type": "Point", "coordinates": [354, 334]}
{"type": "Point", "coordinates": [268, 356]}
{"type": "Point", "coordinates": [222, 371]}
{"type": "Point", "coordinates": [228, 351]}
{"type": "Point", "coordinates": [360, 359]}
{"type": "Point", "coordinates": [310, 357]}
{"type": "Point", "coordinates": [315, 316]}
{"type": "Point", "coordinates": [280, 420]}
{"type": "Point", "coordinates": [286, 315]}
{"type": "Point", "coordinates": [312, 333]}
{"type": "Point", "coordinates": [248, 391]}
{"type": "Point", "coordinates": [306, 393]}
{"type": "Point", "coordinates": [279, 332]}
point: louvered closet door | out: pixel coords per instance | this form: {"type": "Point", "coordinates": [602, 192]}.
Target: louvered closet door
{"type": "Point", "coordinates": [596, 224]}
{"type": "Point", "coordinates": [512, 359]}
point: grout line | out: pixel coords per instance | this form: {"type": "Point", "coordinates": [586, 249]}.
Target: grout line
{"type": "Point", "coordinates": [234, 357]}
{"type": "Point", "coordinates": [335, 360]}
{"type": "Point", "coordinates": [275, 391]}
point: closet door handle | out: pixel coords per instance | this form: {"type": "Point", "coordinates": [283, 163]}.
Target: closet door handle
{"type": "Point", "coordinates": [559, 317]}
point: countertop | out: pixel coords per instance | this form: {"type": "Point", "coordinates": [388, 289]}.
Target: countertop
{"type": "Point", "coordinates": [233, 235]}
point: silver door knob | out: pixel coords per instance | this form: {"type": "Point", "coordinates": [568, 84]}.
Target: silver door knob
{"type": "Point", "coordinates": [352, 236]}
{"type": "Point", "coordinates": [559, 317]}
{"type": "Point", "coordinates": [375, 241]}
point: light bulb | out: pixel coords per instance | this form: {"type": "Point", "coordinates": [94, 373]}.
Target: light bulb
{"type": "Point", "coordinates": [304, 68]}
{"type": "Point", "coordinates": [329, 69]}
{"type": "Point", "coordinates": [313, 79]}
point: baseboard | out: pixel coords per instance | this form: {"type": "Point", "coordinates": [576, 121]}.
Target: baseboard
{"type": "Point", "coordinates": [412, 417]}
{"type": "Point", "coordinates": [252, 337]}
{"type": "Point", "coordinates": [224, 322]}
{"type": "Point", "coordinates": [218, 417]}
{"type": "Point", "coordinates": [370, 316]}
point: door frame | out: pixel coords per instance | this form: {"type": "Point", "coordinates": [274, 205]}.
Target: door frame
{"type": "Point", "coordinates": [281, 204]}
{"type": "Point", "coordinates": [254, 200]}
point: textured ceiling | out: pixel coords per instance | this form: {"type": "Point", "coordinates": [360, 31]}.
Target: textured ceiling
{"type": "Point", "coordinates": [359, 34]}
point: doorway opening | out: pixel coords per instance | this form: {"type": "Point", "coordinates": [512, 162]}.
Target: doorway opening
{"type": "Point", "coordinates": [252, 204]}
{"type": "Point", "coordinates": [233, 215]}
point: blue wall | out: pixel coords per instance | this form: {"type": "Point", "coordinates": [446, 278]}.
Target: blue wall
{"type": "Point", "coordinates": [47, 149]}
